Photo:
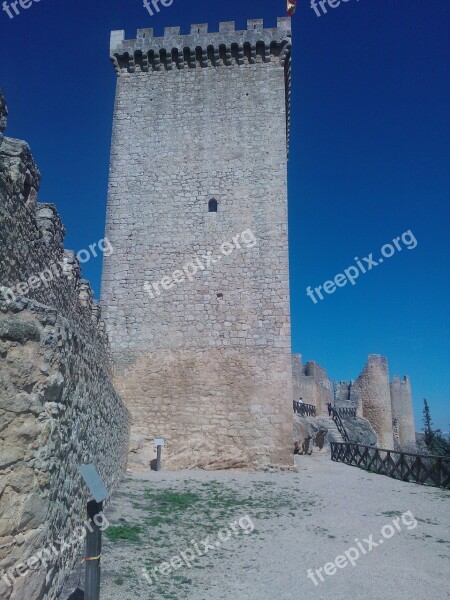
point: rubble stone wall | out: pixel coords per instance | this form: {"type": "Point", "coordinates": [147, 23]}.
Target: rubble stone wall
{"type": "Point", "coordinates": [58, 406]}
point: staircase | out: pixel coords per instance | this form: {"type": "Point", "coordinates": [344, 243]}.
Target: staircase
{"type": "Point", "coordinates": [333, 430]}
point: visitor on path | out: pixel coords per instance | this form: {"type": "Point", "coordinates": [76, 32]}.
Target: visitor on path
{"type": "Point", "coordinates": [330, 410]}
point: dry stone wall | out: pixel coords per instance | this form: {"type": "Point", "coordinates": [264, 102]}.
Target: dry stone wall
{"type": "Point", "coordinates": [58, 406]}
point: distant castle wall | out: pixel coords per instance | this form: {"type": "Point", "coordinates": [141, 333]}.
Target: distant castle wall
{"type": "Point", "coordinates": [387, 406]}
{"type": "Point", "coordinates": [311, 384]}
{"type": "Point", "coordinates": [346, 395]}
{"type": "Point", "coordinates": [58, 406]}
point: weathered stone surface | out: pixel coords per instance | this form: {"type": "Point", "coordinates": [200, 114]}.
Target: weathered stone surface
{"type": "Point", "coordinates": [321, 431]}
{"type": "Point", "coordinates": [360, 431]}
{"type": "Point", "coordinates": [15, 330]}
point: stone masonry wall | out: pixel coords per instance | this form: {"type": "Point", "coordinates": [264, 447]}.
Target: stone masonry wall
{"type": "Point", "coordinates": [346, 395]}
{"type": "Point", "coordinates": [58, 406]}
{"type": "Point", "coordinates": [204, 363]}
{"type": "Point", "coordinates": [402, 410]}
{"type": "Point", "coordinates": [297, 374]}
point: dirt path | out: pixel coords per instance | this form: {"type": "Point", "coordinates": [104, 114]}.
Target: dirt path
{"type": "Point", "coordinates": [301, 521]}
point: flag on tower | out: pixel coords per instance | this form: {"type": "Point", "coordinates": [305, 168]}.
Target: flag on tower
{"type": "Point", "coordinates": [291, 6]}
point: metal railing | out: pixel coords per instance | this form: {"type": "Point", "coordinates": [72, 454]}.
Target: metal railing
{"type": "Point", "coordinates": [305, 410]}
{"type": "Point", "coordinates": [417, 468]}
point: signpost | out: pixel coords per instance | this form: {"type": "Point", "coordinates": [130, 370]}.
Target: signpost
{"type": "Point", "coordinates": [159, 443]}
{"type": "Point", "coordinates": [93, 533]}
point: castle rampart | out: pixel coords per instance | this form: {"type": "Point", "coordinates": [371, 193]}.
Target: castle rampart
{"type": "Point", "coordinates": [311, 384]}
{"type": "Point", "coordinates": [58, 406]}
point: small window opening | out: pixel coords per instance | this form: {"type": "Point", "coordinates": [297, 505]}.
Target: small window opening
{"type": "Point", "coordinates": [219, 296]}
{"type": "Point", "coordinates": [212, 205]}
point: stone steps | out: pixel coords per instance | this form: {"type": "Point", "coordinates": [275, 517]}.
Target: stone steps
{"type": "Point", "coordinates": [333, 430]}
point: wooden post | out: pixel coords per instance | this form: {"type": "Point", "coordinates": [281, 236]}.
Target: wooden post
{"type": "Point", "coordinates": [158, 457]}
{"type": "Point", "coordinates": [93, 552]}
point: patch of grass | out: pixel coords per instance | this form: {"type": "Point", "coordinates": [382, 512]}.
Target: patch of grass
{"type": "Point", "coordinates": [119, 581]}
{"type": "Point", "coordinates": [196, 509]}
{"type": "Point", "coordinates": [128, 533]}
{"type": "Point", "coordinates": [169, 501]}
{"type": "Point", "coordinates": [392, 513]}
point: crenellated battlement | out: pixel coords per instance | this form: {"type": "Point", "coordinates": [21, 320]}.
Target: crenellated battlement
{"type": "Point", "coordinates": [201, 48]}
{"type": "Point", "coordinates": [397, 380]}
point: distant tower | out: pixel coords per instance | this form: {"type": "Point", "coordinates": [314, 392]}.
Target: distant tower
{"type": "Point", "coordinates": [198, 156]}
{"type": "Point", "coordinates": [402, 410]}
{"type": "Point", "coordinates": [373, 386]}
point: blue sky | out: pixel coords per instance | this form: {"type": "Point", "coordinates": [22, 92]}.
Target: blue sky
{"type": "Point", "coordinates": [368, 161]}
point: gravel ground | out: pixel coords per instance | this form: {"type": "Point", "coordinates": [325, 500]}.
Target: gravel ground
{"type": "Point", "coordinates": [301, 521]}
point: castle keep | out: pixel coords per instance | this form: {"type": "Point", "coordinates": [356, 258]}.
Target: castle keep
{"type": "Point", "coordinates": [199, 156]}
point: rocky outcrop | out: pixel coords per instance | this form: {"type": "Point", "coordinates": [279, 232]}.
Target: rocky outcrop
{"type": "Point", "coordinates": [360, 431]}
{"type": "Point", "coordinates": [319, 432]}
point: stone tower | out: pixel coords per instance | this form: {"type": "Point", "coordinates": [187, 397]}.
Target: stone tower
{"type": "Point", "coordinates": [374, 389]}
{"type": "Point", "coordinates": [402, 411]}
{"type": "Point", "coordinates": [196, 294]}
